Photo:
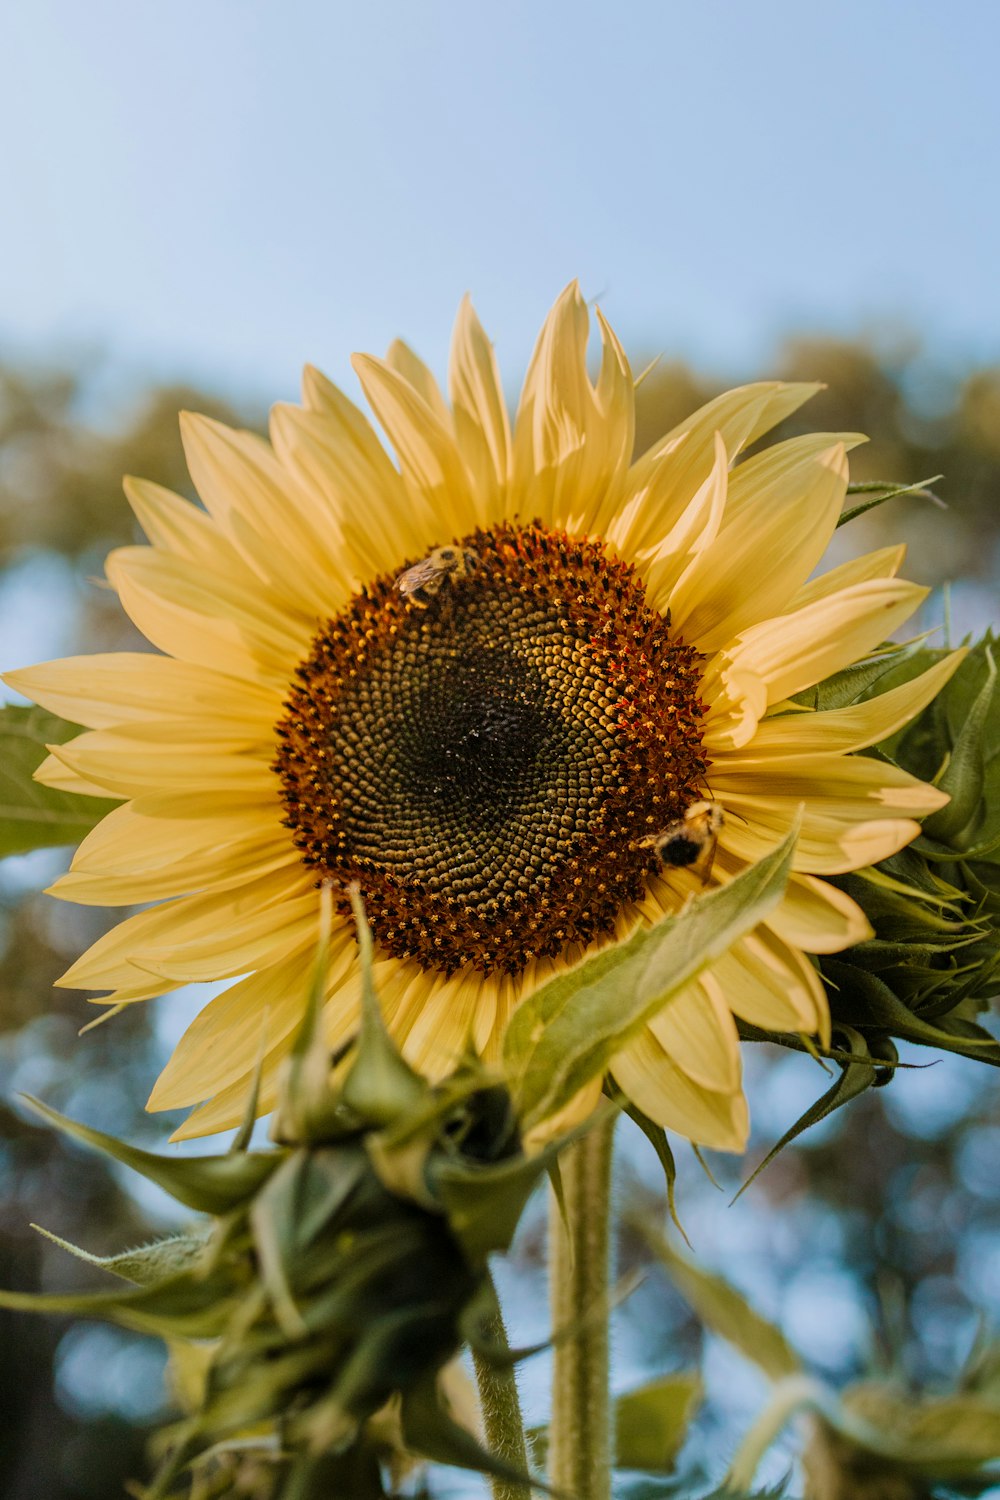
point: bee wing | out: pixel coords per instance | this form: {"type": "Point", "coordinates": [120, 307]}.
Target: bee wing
{"type": "Point", "coordinates": [418, 577]}
{"type": "Point", "coordinates": [709, 860]}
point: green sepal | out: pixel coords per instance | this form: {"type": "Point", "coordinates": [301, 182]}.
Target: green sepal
{"type": "Point", "coordinates": [566, 1033]}
{"type": "Point", "coordinates": [865, 1001]}
{"type": "Point", "coordinates": [484, 1203]}
{"type": "Point", "coordinates": [207, 1184]}
{"type": "Point", "coordinates": [380, 1087]}
{"type": "Point", "coordinates": [657, 1138]}
{"type": "Point", "coordinates": [33, 816]}
{"type": "Point", "coordinates": [181, 1306]}
{"type": "Point", "coordinates": [945, 1437]}
{"type": "Point", "coordinates": [146, 1265]}
{"type": "Point", "coordinates": [856, 1076]}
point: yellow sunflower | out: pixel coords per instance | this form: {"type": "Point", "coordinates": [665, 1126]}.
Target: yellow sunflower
{"type": "Point", "coordinates": [481, 682]}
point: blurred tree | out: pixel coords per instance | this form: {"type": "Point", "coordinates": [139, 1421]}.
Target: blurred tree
{"type": "Point", "coordinates": [61, 465]}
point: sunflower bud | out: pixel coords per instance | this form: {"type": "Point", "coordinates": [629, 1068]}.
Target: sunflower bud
{"type": "Point", "coordinates": [345, 1267]}
{"type": "Point", "coordinates": [934, 961]}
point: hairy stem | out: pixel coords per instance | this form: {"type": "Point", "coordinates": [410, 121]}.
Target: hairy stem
{"type": "Point", "coordinates": [579, 1268]}
{"type": "Point", "coordinates": [501, 1407]}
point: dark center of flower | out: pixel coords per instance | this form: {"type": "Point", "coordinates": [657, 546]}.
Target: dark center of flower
{"type": "Point", "coordinates": [488, 748]}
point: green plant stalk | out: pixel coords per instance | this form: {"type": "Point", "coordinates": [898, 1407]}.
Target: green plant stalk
{"type": "Point", "coordinates": [580, 1454]}
{"type": "Point", "coordinates": [501, 1406]}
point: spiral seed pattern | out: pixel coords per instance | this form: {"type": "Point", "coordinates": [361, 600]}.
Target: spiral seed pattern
{"type": "Point", "coordinates": [488, 765]}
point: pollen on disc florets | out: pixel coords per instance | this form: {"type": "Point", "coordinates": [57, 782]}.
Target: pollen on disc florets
{"type": "Point", "coordinates": [489, 766]}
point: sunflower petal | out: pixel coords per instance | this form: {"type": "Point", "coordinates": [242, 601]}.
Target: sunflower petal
{"type": "Point", "coordinates": [792, 652]}
{"type": "Point", "coordinates": [781, 511]}
{"type": "Point", "coordinates": [428, 454]}
{"type": "Point", "coordinates": [669, 1097]}
{"type": "Point", "coordinates": [118, 687]}
{"type": "Point", "coordinates": [697, 1031]}
{"type": "Point", "coordinates": [572, 439]}
{"type": "Point", "coordinates": [842, 730]}
{"type": "Point", "coordinates": [482, 426]}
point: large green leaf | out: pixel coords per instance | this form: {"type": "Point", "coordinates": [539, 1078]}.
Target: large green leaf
{"type": "Point", "coordinates": [33, 816]}
{"type": "Point", "coordinates": [568, 1031]}
{"type": "Point", "coordinates": [651, 1422]}
{"type": "Point", "coordinates": [724, 1310]}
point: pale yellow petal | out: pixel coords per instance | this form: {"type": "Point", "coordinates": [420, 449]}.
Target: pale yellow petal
{"type": "Point", "coordinates": [695, 1028]}
{"type": "Point", "coordinates": [340, 1017]}
{"type": "Point", "coordinates": [769, 984]}
{"type": "Point", "coordinates": [381, 522]}
{"type": "Point", "coordinates": [207, 618]}
{"type": "Point", "coordinates": [572, 439]}
{"type": "Point", "coordinates": [175, 525]}
{"type": "Point", "coordinates": [662, 482]}
{"type": "Point", "coordinates": [482, 426]}
{"type": "Point", "coordinates": [255, 940]}
{"type": "Point", "coordinates": [145, 762]}
{"type": "Point", "coordinates": [884, 563]}
{"type": "Point", "coordinates": [792, 652]}
{"type": "Point", "coordinates": [163, 846]}
{"type": "Point", "coordinates": [818, 918]}
{"type": "Point", "coordinates": [401, 358]}
{"type": "Point", "coordinates": [120, 687]}
{"type": "Point", "coordinates": [55, 773]}
{"type": "Point", "coordinates": [667, 1095]}
{"type": "Point", "coordinates": [110, 963]}
{"type": "Point", "coordinates": [428, 454]}
{"type": "Point", "coordinates": [841, 730]}
{"type": "Point", "coordinates": [695, 530]}
{"type": "Point", "coordinates": [264, 513]}
{"type": "Point", "coordinates": [224, 1040]}
{"type": "Point", "coordinates": [781, 511]}
{"type": "Point", "coordinates": [843, 785]}
{"type": "Point", "coordinates": [828, 844]}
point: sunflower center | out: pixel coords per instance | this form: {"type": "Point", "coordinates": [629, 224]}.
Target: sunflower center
{"type": "Point", "coordinates": [487, 744]}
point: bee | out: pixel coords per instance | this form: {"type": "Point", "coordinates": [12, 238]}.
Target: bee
{"type": "Point", "coordinates": [692, 839]}
{"type": "Point", "coordinates": [420, 583]}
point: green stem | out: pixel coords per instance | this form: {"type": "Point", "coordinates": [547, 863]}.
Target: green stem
{"type": "Point", "coordinates": [501, 1406]}
{"type": "Point", "coordinates": [579, 1268]}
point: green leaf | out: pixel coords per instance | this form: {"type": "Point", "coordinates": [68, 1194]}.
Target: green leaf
{"type": "Point", "coordinates": [568, 1031]}
{"type": "Point", "coordinates": [965, 772]}
{"type": "Point", "coordinates": [854, 683]}
{"type": "Point", "coordinates": [208, 1184]}
{"type": "Point", "coordinates": [181, 1306]}
{"type": "Point", "coordinates": [724, 1310]}
{"type": "Point", "coordinates": [651, 1422]}
{"type": "Point", "coordinates": [33, 816]}
{"type": "Point", "coordinates": [949, 1437]}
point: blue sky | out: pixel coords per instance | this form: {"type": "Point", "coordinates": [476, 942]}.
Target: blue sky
{"type": "Point", "coordinates": [227, 188]}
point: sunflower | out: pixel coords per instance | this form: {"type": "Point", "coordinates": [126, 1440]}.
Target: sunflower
{"type": "Point", "coordinates": [482, 682]}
